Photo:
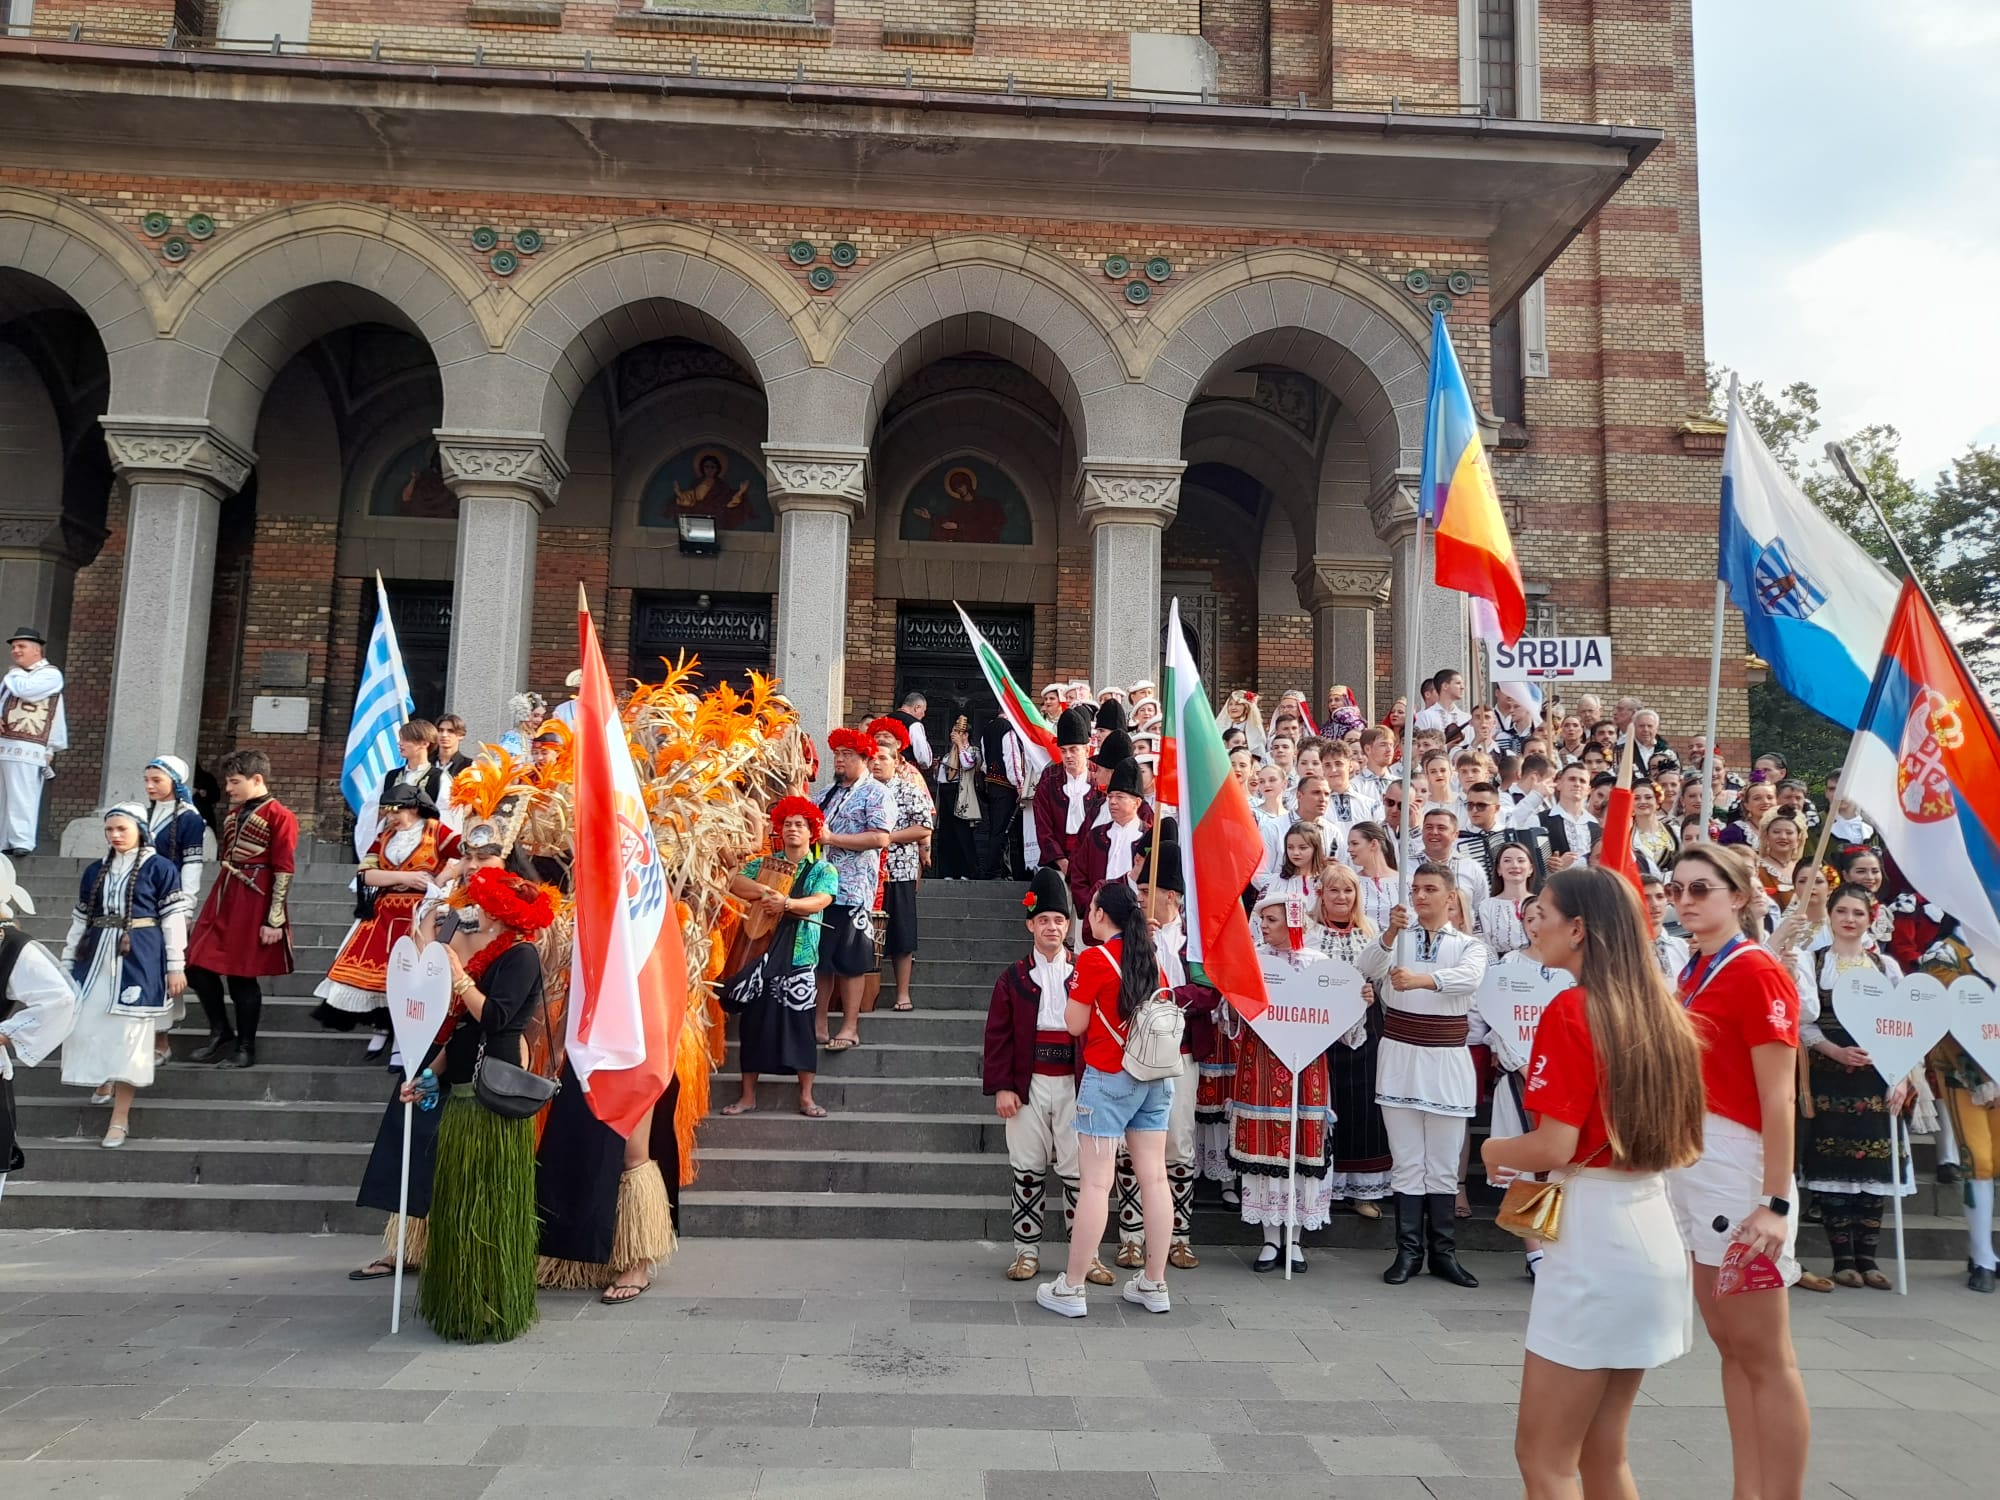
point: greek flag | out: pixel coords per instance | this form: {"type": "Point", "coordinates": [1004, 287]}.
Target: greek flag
{"type": "Point", "coordinates": [381, 704]}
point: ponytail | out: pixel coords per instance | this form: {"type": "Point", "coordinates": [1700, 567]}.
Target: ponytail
{"type": "Point", "coordinates": [1138, 969]}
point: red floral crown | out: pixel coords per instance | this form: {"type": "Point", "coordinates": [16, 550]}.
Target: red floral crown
{"type": "Point", "coordinates": [891, 727]}
{"type": "Point", "coordinates": [798, 807]}
{"type": "Point", "coordinates": [508, 899]}
{"type": "Point", "coordinates": [844, 738]}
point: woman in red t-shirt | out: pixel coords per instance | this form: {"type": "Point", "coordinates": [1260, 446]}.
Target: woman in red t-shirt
{"type": "Point", "coordinates": [1614, 1084]}
{"type": "Point", "coordinates": [1745, 1009]}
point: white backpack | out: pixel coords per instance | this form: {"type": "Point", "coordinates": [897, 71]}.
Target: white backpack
{"type": "Point", "coordinates": [1153, 1040]}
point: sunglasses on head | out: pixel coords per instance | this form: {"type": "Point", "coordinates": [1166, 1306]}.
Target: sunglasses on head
{"type": "Point", "coordinates": [1701, 890]}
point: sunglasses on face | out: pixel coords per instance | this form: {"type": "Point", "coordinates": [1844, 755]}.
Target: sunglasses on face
{"type": "Point", "coordinates": [1392, 801]}
{"type": "Point", "coordinates": [1700, 890]}
{"type": "Point", "coordinates": [1480, 806]}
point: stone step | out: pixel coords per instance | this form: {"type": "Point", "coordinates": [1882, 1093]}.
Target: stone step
{"type": "Point", "coordinates": [877, 1059]}
{"type": "Point", "coordinates": [902, 1095]}
{"type": "Point", "coordinates": [777, 1125]}
{"type": "Point", "coordinates": [209, 1208]}
{"type": "Point", "coordinates": [157, 1115]}
{"type": "Point", "coordinates": [901, 1172]}
{"type": "Point", "coordinates": [277, 1085]}
{"type": "Point", "coordinates": [329, 1164]}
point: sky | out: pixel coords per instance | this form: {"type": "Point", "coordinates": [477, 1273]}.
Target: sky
{"type": "Point", "coordinates": [1850, 200]}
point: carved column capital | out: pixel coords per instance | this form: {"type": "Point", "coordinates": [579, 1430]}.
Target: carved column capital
{"type": "Point", "coordinates": [1129, 493]}
{"type": "Point", "coordinates": [1344, 583]}
{"type": "Point", "coordinates": [1392, 505]}
{"type": "Point", "coordinates": [176, 450]}
{"type": "Point", "coordinates": [509, 465]}
{"type": "Point", "coordinates": [830, 478]}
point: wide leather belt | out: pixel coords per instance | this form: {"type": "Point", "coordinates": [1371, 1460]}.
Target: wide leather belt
{"type": "Point", "coordinates": [1414, 1030]}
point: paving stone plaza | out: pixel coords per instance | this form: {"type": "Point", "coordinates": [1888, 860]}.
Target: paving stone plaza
{"type": "Point", "coordinates": [151, 1366]}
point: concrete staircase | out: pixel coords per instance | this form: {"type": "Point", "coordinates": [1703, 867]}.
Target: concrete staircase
{"type": "Point", "coordinates": [910, 1149]}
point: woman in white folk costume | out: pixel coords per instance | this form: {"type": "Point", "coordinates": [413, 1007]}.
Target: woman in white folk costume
{"type": "Point", "coordinates": [1615, 1087]}
{"type": "Point", "coordinates": [177, 833]}
{"type": "Point", "coordinates": [1371, 850]}
{"type": "Point", "coordinates": [1424, 1078]}
{"type": "Point", "coordinates": [1499, 918]}
{"type": "Point", "coordinates": [1340, 928]}
{"type": "Point", "coordinates": [37, 1009]}
{"type": "Point", "coordinates": [127, 951]}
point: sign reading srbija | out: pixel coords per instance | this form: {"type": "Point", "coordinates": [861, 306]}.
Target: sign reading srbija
{"type": "Point", "coordinates": [1553, 658]}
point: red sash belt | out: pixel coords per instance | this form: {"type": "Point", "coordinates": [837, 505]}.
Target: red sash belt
{"type": "Point", "coordinates": [1055, 1054]}
{"type": "Point", "coordinates": [1414, 1030]}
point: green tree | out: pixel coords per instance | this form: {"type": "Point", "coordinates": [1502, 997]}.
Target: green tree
{"type": "Point", "coordinates": [1965, 510]}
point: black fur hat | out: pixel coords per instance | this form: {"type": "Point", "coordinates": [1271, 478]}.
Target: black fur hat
{"type": "Point", "coordinates": [1048, 892]}
{"type": "Point", "coordinates": [1114, 748]}
{"type": "Point", "coordinates": [1074, 727]}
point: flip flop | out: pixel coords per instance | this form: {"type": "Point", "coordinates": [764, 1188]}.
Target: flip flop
{"type": "Point", "coordinates": [904, 1005]}
{"type": "Point", "coordinates": [738, 1108]}
{"type": "Point", "coordinates": [843, 1044]}
{"type": "Point", "coordinates": [370, 1273]}
{"type": "Point", "coordinates": [813, 1111]}
{"type": "Point", "coordinates": [634, 1293]}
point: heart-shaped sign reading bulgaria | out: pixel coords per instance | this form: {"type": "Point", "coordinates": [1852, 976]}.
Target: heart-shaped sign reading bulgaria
{"type": "Point", "coordinates": [1975, 1021]}
{"type": "Point", "coordinates": [1311, 1008]}
{"type": "Point", "coordinates": [1896, 1024]}
{"type": "Point", "coordinates": [419, 996]}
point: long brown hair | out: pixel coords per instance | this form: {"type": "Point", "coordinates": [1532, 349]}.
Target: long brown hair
{"type": "Point", "coordinates": [1648, 1059]}
{"type": "Point", "coordinates": [1733, 865]}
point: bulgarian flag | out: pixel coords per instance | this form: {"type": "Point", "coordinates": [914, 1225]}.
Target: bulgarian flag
{"type": "Point", "coordinates": [1221, 845]}
{"type": "Point", "coordinates": [628, 973]}
{"type": "Point", "coordinates": [1038, 736]}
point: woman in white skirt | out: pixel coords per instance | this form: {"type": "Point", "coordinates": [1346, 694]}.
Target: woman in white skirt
{"type": "Point", "coordinates": [1615, 1088]}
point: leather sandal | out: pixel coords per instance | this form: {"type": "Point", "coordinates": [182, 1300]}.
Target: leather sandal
{"type": "Point", "coordinates": [1099, 1274]}
{"type": "Point", "coordinates": [1181, 1257]}
{"type": "Point", "coordinates": [1026, 1267]}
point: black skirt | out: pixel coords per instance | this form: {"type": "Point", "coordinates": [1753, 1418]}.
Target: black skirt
{"type": "Point", "coordinates": [775, 1032]}
{"type": "Point", "coordinates": [899, 911]}
{"type": "Point", "coordinates": [384, 1172]}
{"type": "Point", "coordinates": [847, 941]}
{"type": "Point", "coordinates": [576, 1178]}
{"type": "Point", "coordinates": [1360, 1140]}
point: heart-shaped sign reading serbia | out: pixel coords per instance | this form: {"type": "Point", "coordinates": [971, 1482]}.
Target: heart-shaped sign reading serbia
{"type": "Point", "coordinates": [1896, 1024]}
{"type": "Point", "coordinates": [1975, 1021]}
{"type": "Point", "coordinates": [419, 997]}
{"type": "Point", "coordinates": [1311, 1008]}
{"type": "Point", "coordinates": [1511, 998]}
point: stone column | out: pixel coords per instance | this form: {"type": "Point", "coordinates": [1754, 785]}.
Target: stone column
{"type": "Point", "coordinates": [1343, 594]}
{"type": "Point", "coordinates": [177, 471]}
{"type": "Point", "coordinates": [1393, 508]}
{"type": "Point", "coordinates": [817, 493]}
{"type": "Point", "coordinates": [1125, 506]}
{"type": "Point", "coordinates": [39, 556]}
{"type": "Point", "coordinates": [503, 480]}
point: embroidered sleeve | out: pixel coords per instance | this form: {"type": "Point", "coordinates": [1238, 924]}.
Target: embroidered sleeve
{"type": "Point", "coordinates": [281, 885]}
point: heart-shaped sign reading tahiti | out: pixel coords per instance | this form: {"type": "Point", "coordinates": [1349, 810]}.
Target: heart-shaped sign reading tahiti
{"type": "Point", "coordinates": [1512, 997]}
{"type": "Point", "coordinates": [419, 997]}
{"type": "Point", "coordinates": [1311, 1008]}
{"type": "Point", "coordinates": [1975, 1020]}
{"type": "Point", "coordinates": [1896, 1024]}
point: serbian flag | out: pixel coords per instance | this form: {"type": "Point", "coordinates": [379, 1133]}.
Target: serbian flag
{"type": "Point", "coordinates": [1474, 553]}
{"type": "Point", "coordinates": [1222, 845]}
{"type": "Point", "coordinates": [1037, 735]}
{"type": "Point", "coordinates": [628, 977]}
{"type": "Point", "coordinates": [1925, 764]}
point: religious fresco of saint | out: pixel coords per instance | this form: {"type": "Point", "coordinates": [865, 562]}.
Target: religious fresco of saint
{"type": "Point", "coordinates": [967, 499]}
{"type": "Point", "coordinates": [712, 481]}
{"type": "Point", "coordinates": [412, 487]}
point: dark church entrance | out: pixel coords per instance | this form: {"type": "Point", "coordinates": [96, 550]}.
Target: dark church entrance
{"type": "Point", "coordinates": [730, 633]}
{"type": "Point", "coordinates": [934, 657]}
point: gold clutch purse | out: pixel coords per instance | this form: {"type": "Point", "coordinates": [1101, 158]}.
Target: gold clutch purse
{"type": "Point", "coordinates": [1534, 1210]}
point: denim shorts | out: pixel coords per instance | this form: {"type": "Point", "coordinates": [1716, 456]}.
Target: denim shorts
{"type": "Point", "coordinates": [1109, 1104]}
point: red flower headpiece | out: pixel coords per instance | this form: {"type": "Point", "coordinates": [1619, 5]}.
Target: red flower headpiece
{"type": "Point", "coordinates": [844, 738]}
{"type": "Point", "coordinates": [798, 807]}
{"type": "Point", "coordinates": [509, 900]}
{"type": "Point", "coordinates": [894, 728]}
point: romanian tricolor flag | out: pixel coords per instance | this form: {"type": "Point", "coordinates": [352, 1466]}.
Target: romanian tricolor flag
{"type": "Point", "coordinates": [1222, 847]}
{"type": "Point", "coordinates": [1038, 737]}
{"type": "Point", "coordinates": [1474, 552]}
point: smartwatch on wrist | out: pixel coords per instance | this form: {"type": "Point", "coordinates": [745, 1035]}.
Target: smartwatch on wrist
{"type": "Point", "coordinates": [1782, 1207]}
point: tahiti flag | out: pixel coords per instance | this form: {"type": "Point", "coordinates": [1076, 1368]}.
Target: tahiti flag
{"type": "Point", "coordinates": [1222, 847]}
{"type": "Point", "coordinates": [382, 704]}
{"type": "Point", "coordinates": [1474, 552]}
{"type": "Point", "coordinates": [1926, 767]}
{"type": "Point", "coordinates": [628, 975]}
{"type": "Point", "coordinates": [1037, 736]}
{"type": "Point", "coordinates": [1815, 605]}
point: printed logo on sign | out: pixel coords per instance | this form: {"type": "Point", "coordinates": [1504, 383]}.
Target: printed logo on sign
{"type": "Point", "coordinates": [1922, 785]}
{"type": "Point", "coordinates": [1783, 587]}
{"type": "Point", "coordinates": [645, 881]}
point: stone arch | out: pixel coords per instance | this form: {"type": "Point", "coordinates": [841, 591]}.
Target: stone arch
{"type": "Point", "coordinates": [1315, 313]}
{"type": "Point", "coordinates": [575, 311]}
{"type": "Point", "coordinates": [947, 296]}
{"type": "Point", "coordinates": [79, 255]}
{"type": "Point", "coordinates": [268, 289]}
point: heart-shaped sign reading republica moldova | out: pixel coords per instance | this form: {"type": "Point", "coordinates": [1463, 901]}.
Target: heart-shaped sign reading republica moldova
{"type": "Point", "coordinates": [1512, 997]}
{"type": "Point", "coordinates": [1311, 1008]}
{"type": "Point", "coordinates": [1896, 1024]}
{"type": "Point", "coordinates": [1975, 1021]}
{"type": "Point", "coordinates": [419, 997]}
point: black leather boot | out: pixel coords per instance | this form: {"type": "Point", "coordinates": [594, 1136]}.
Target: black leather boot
{"type": "Point", "coordinates": [245, 1057]}
{"type": "Point", "coordinates": [1444, 1240]}
{"type": "Point", "coordinates": [218, 1047]}
{"type": "Point", "coordinates": [1409, 1239]}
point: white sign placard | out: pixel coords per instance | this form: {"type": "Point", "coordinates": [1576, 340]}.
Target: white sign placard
{"type": "Point", "coordinates": [1553, 658]}
{"type": "Point", "coordinates": [1311, 1008]}
{"type": "Point", "coordinates": [1511, 998]}
{"type": "Point", "coordinates": [274, 715]}
{"type": "Point", "coordinates": [419, 987]}
{"type": "Point", "coordinates": [1975, 1020]}
{"type": "Point", "coordinates": [1896, 1024]}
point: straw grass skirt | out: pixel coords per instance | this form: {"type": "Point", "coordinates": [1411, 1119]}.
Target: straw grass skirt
{"type": "Point", "coordinates": [478, 1281]}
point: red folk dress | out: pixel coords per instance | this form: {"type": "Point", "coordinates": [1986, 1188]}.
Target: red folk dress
{"type": "Point", "coordinates": [256, 854]}
{"type": "Point", "coordinates": [359, 976]}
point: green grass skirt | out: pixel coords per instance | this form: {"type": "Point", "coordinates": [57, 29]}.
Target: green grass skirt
{"type": "Point", "coordinates": [478, 1279]}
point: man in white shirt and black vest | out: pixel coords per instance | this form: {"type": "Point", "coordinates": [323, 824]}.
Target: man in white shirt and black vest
{"type": "Point", "coordinates": [32, 730]}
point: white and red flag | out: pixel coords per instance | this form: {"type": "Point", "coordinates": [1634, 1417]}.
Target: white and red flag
{"type": "Point", "coordinates": [628, 978]}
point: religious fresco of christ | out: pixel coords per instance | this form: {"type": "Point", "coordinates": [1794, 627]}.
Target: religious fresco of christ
{"type": "Point", "coordinates": [711, 481]}
{"type": "Point", "coordinates": [966, 500]}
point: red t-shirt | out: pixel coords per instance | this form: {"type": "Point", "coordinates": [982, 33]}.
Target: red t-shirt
{"type": "Point", "coordinates": [1095, 982]}
{"type": "Point", "coordinates": [1751, 1002]}
{"type": "Point", "coordinates": [1562, 1075]}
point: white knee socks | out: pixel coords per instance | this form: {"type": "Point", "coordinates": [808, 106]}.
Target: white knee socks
{"type": "Point", "coordinates": [1979, 1223]}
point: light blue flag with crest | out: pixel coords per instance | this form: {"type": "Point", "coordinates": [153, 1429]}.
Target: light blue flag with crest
{"type": "Point", "coordinates": [382, 705]}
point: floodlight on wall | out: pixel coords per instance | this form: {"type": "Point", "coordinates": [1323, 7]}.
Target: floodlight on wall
{"type": "Point", "coordinates": [698, 536]}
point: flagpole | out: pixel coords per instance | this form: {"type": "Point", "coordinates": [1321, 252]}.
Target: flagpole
{"type": "Point", "coordinates": [1292, 1183]}
{"type": "Point", "coordinates": [1898, 1138]}
{"type": "Point", "coordinates": [1714, 706]}
{"type": "Point", "coordinates": [1410, 702]}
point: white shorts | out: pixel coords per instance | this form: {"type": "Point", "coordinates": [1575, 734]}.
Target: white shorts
{"type": "Point", "coordinates": [1726, 1184]}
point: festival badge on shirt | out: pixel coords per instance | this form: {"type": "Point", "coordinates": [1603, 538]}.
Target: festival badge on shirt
{"type": "Point", "coordinates": [1975, 1020]}
{"type": "Point", "coordinates": [1311, 1008]}
{"type": "Point", "coordinates": [1511, 999]}
{"type": "Point", "coordinates": [1896, 1024]}
{"type": "Point", "coordinates": [419, 997]}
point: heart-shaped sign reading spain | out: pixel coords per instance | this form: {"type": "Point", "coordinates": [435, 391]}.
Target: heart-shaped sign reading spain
{"type": "Point", "coordinates": [419, 996]}
{"type": "Point", "coordinates": [1896, 1024]}
{"type": "Point", "coordinates": [1975, 1021]}
{"type": "Point", "coordinates": [1511, 999]}
{"type": "Point", "coordinates": [1311, 1008]}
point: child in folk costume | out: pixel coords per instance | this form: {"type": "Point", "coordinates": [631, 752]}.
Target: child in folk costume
{"type": "Point", "coordinates": [37, 1008]}
{"type": "Point", "coordinates": [1425, 1081]}
{"type": "Point", "coordinates": [243, 933]}
{"type": "Point", "coordinates": [177, 833]}
{"type": "Point", "coordinates": [1031, 1068]}
{"type": "Point", "coordinates": [127, 950]}
{"type": "Point", "coordinates": [1340, 928]}
{"type": "Point", "coordinates": [1972, 1104]}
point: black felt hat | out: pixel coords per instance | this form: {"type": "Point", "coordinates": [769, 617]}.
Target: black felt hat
{"type": "Point", "coordinates": [1125, 776]}
{"type": "Point", "coordinates": [1112, 749]}
{"type": "Point", "coordinates": [28, 633]}
{"type": "Point", "coordinates": [1170, 876]}
{"type": "Point", "coordinates": [1111, 715]}
{"type": "Point", "coordinates": [1074, 727]}
{"type": "Point", "coordinates": [1047, 892]}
